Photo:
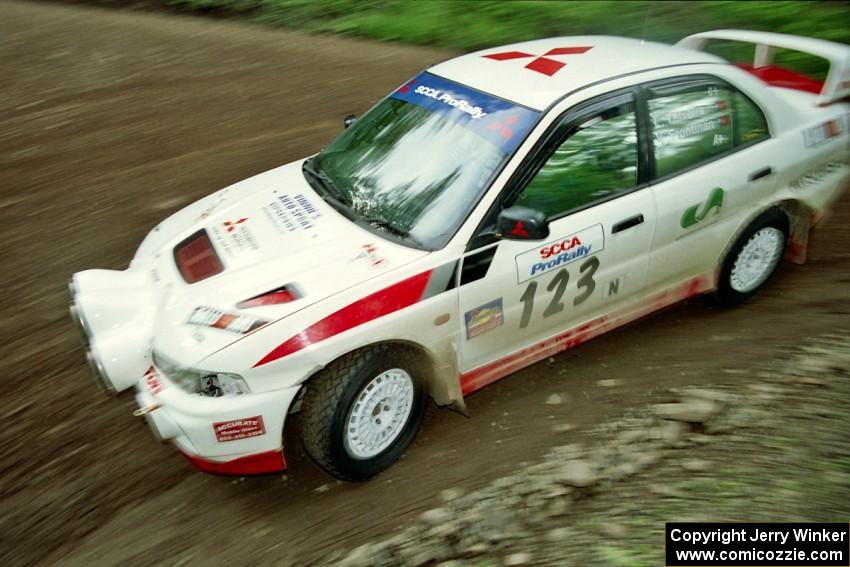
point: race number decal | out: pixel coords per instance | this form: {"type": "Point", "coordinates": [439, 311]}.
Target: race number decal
{"type": "Point", "coordinates": [585, 286]}
{"type": "Point", "coordinates": [586, 283]}
{"type": "Point", "coordinates": [558, 253]}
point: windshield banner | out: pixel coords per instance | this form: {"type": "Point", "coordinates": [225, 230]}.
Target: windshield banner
{"type": "Point", "coordinates": [498, 121]}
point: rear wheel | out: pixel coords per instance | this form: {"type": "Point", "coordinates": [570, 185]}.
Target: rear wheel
{"type": "Point", "coordinates": [753, 258]}
{"type": "Point", "coordinates": [362, 412]}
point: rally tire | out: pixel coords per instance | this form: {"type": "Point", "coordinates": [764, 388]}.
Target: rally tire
{"type": "Point", "coordinates": [753, 258]}
{"type": "Point", "coordinates": [331, 399]}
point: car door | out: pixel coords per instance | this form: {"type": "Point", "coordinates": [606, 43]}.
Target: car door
{"type": "Point", "coordinates": [518, 298]}
{"type": "Point", "coordinates": [712, 163]}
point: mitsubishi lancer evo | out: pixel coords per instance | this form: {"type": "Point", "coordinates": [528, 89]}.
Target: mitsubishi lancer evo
{"type": "Point", "coordinates": [492, 211]}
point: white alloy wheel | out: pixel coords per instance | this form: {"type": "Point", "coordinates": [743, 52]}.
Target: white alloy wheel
{"type": "Point", "coordinates": [379, 414]}
{"type": "Point", "coordinates": [757, 259]}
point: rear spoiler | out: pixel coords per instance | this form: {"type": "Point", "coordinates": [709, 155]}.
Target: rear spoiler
{"type": "Point", "coordinates": [837, 84]}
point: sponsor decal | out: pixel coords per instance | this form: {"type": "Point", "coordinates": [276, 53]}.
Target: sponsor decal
{"type": "Point", "coordinates": [543, 64]}
{"type": "Point", "coordinates": [234, 236]}
{"type": "Point", "coordinates": [672, 135]}
{"type": "Point", "coordinates": [557, 253]}
{"type": "Point", "coordinates": [816, 176]}
{"type": "Point", "coordinates": [698, 212]}
{"type": "Point", "coordinates": [483, 318]}
{"type": "Point", "coordinates": [686, 116]}
{"type": "Point", "coordinates": [292, 212]}
{"type": "Point", "coordinates": [822, 133]}
{"type": "Point", "coordinates": [446, 98]}
{"type": "Point", "coordinates": [500, 122]}
{"type": "Point", "coordinates": [370, 251]}
{"type": "Point", "coordinates": [239, 429]}
{"type": "Point", "coordinates": [216, 319]}
{"type": "Point", "coordinates": [153, 381]}
{"type": "Point", "coordinates": [720, 140]}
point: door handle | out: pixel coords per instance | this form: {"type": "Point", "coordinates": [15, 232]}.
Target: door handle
{"type": "Point", "coordinates": [763, 172]}
{"type": "Point", "coordinates": [627, 224]}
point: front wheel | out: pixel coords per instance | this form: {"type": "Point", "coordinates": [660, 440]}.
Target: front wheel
{"type": "Point", "coordinates": [753, 258]}
{"type": "Point", "coordinates": [362, 412]}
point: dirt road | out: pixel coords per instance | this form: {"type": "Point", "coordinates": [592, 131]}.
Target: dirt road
{"type": "Point", "coordinates": [111, 121]}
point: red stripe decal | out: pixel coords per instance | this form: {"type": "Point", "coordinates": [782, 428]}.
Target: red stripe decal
{"type": "Point", "coordinates": [779, 77]}
{"type": "Point", "coordinates": [489, 373]}
{"type": "Point", "coordinates": [258, 463]}
{"type": "Point", "coordinates": [479, 377]}
{"type": "Point", "coordinates": [383, 302]}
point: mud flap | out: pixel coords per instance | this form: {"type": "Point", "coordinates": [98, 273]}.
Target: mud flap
{"type": "Point", "coordinates": [798, 240]}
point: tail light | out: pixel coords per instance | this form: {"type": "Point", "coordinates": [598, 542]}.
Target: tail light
{"type": "Point", "coordinates": [196, 258]}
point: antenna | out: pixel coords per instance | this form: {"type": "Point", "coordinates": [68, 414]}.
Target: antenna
{"type": "Point", "coordinates": [645, 20]}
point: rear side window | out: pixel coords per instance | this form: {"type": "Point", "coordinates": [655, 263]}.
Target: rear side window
{"type": "Point", "coordinates": [695, 121]}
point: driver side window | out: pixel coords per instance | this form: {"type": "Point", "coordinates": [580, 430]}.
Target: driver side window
{"type": "Point", "coordinates": [597, 159]}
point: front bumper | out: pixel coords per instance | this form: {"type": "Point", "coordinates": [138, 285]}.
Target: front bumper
{"type": "Point", "coordinates": [233, 435]}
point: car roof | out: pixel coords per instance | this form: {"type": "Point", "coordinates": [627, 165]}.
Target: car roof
{"type": "Point", "coordinates": [537, 73]}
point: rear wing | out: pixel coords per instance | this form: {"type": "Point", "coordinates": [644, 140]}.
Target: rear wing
{"type": "Point", "coordinates": [837, 83]}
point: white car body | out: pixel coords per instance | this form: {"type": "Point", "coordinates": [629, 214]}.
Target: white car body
{"type": "Point", "coordinates": [356, 289]}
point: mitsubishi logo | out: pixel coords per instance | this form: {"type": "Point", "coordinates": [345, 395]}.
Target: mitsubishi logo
{"type": "Point", "coordinates": [231, 226]}
{"type": "Point", "coordinates": [541, 63]}
{"type": "Point", "coordinates": [503, 129]}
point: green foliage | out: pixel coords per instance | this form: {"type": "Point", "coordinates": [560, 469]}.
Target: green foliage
{"type": "Point", "coordinates": [469, 24]}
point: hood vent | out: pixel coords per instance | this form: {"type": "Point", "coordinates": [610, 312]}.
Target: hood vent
{"type": "Point", "coordinates": [196, 258]}
{"type": "Point", "coordinates": [283, 294]}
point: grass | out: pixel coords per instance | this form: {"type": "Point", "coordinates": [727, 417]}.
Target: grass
{"type": "Point", "coordinates": [467, 25]}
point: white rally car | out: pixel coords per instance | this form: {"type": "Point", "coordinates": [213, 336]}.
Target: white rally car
{"type": "Point", "coordinates": [496, 209]}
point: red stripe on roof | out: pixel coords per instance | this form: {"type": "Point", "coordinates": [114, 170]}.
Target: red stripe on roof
{"type": "Point", "coordinates": [383, 302]}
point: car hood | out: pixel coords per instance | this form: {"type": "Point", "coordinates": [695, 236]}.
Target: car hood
{"type": "Point", "coordinates": [269, 231]}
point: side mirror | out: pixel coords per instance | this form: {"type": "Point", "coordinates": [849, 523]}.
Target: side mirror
{"type": "Point", "coordinates": [349, 120]}
{"type": "Point", "coordinates": [522, 223]}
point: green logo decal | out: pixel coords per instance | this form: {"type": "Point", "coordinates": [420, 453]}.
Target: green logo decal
{"type": "Point", "coordinates": [693, 215]}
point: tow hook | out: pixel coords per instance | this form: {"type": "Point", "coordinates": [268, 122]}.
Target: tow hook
{"type": "Point", "coordinates": [145, 410]}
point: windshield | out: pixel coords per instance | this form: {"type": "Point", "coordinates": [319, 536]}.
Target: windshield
{"type": "Point", "coordinates": [416, 163]}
